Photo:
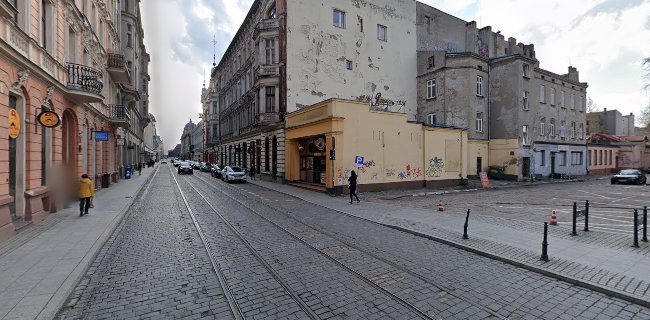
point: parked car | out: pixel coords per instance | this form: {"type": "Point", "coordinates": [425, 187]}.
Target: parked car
{"type": "Point", "coordinates": [185, 167]}
{"type": "Point", "coordinates": [216, 171]}
{"type": "Point", "coordinates": [629, 176]}
{"type": "Point", "coordinates": [205, 167]}
{"type": "Point", "coordinates": [163, 161]}
{"type": "Point", "coordinates": [233, 173]}
{"type": "Point", "coordinates": [196, 165]}
{"type": "Point", "coordinates": [176, 163]}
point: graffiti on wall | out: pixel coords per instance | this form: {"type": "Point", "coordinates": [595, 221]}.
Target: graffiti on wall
{"type": "Point", "coordinates": [390, 172]}
{"type": "Point", "coordinates": [380, 103]}
{"type": "Point", "coordinates": [436, 165]}
{"type": "Point", "coordinates": [410, 172]}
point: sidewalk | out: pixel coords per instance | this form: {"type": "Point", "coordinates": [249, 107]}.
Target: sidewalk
{"type": "Point", "coordinates": [599, 261]}
{"type": "Point", "coordinates": [41, 265]}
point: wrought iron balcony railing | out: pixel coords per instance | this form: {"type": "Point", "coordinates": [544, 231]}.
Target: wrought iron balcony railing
{"type": "Point", "coordinates": [116, 60]}
{"type": "Point", "coordinates": [118, 113]}
{"type": "Point", "coordinates": [84, 78]}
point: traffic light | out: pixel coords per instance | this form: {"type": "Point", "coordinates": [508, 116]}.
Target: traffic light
{"type": "Point", "coordinates": [332, 154]}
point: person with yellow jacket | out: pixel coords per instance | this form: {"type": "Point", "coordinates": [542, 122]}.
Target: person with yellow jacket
{"type": "Point", "coordinates": [86, 194]}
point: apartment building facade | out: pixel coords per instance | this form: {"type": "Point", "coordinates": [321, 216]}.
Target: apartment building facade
{"type": "Point", "coordinates": [64, 57]}
{"type": "Point", "coordinates": [476, 79]}
{"type": "Point", "coordinates": [610, 122]}
{"type": "Point", "coordinates": [288, 55]}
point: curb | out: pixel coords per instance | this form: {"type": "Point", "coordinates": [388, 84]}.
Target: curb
{"type": "Point", "coordinates": [59, 298]}
{"type": "Point", "coordinates": [577, 282]}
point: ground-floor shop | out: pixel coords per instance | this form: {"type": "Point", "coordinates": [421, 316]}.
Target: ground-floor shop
{"type": "Point", "coordinates": [327, 141]}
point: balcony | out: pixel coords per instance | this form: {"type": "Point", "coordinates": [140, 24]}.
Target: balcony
{"type": "Point", "coordinates": [117, 68]}
{"type": "Point", "coordinates": [268, 24]}
{"type": "Point", "coordinates": [268, 71]}
{"type": "Point", "coordinates": [85, 84]}
{"type": "Point", "coordinates": [119, 116]}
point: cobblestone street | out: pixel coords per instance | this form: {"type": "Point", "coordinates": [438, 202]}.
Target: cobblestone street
{"type": "Point", "coordinates": [272, 256]}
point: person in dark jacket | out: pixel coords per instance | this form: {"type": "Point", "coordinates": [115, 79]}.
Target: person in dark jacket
{"type": "Point", "coordinates": [252, 172]}
{"type": "Point", "coordinates": [353, 186]}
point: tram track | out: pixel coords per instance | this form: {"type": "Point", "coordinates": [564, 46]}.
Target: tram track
{"type": "Point", "coordinates": [331, 235]}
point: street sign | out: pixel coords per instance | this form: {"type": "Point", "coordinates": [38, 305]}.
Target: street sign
{"type": "Point", "coordinates": [120, 141]}
{"type": "Point", "coordinates": [101, 136]}
{"type": "Point", "coordinates": [358, 162]}
{"type": "Point", "coordinates": [14, 124]}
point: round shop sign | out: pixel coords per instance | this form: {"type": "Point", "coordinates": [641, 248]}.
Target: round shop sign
{"type": "Point", "coordinates": [49, 119]}
{"type": "Point", "coordinates": [14, 124]}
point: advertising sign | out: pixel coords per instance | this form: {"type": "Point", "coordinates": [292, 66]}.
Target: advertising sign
{"type": "Point", "coordinates": [14, 124]}
{"type": "Point", "coordinates": [101, 136]}
{"type": "Point", "coordinates": [49, 119]}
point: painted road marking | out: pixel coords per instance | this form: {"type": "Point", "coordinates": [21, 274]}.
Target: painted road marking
{"type": "Point", "coordinates": [595, 194]}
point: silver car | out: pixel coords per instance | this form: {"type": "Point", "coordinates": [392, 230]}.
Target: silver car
{"type": "Point", "coordinates": [231, 174]}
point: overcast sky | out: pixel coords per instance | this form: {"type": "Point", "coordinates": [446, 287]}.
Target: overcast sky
{"type": "Point", "coordinates": [605, 39]}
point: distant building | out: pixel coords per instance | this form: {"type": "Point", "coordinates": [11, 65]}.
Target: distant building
{"type": "Point", "coordinates": [197, 142]}
{"type": "Point", "coordinates": [611, 122]}
{"type": "Point", "coordinates": [632, 152]}
{"type": "Point", "coordinates": [187, 145]}
{"type": "Point", "coordinates": [176, 152]}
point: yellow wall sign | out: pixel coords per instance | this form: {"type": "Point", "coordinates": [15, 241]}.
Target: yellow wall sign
{"type": "Point", "coordinates": [49, 119]}
{"type": "Point", "coordinates": [14, 124]}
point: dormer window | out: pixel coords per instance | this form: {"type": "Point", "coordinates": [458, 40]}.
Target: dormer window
{"type": "Point", "coordinates": [432, 62]}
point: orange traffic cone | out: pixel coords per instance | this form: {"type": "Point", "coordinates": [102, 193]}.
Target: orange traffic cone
{"type": "Point", "coordinates": [553, 221]}
{"type": "Point", "coordinates": [440, 206]}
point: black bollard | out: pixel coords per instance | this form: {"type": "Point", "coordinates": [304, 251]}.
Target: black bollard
{"type": "Point", "coordinates": [645, 224]}
{"type": "Point", "coordinates": [587, 215]}
{"type": "Point", "coordinates": [636, 229]}
{"type": "Point", "coordinates": [575, 219]}
{"type": "Point", "coordinates": [545, 243]}
{"type": "Point", "coordinates": [465, 236]}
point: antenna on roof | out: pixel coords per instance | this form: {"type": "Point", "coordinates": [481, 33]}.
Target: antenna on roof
{"type": "Point", "coordinates": [214, 54]}
{"type": "Point", "coordinates": [203, 78]}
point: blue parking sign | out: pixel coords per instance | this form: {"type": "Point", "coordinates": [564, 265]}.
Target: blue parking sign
{"type": "Point", "coordinates": [358, 161]}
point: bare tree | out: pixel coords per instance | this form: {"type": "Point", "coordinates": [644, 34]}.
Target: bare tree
{"type": "Point", "coordinates": [591, 106]}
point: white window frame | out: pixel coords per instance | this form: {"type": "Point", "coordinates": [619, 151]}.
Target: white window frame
{"type": "Point", "coordinates": [576, 158]}
{"type": "Point", "coordinates": [542, 128]}
{"type": "Point", "coordinates": [479, 86]}
{"type": "Point", "coordinates": [573, 101]}
{"type": "Point", "coordinates": [431, 88]}
{"type": "Point", "coordinates": [563, 129]}
{"type": "Point", "coordinates": [269, 51]}
{"type": "Point", "coordinates": [526, 70]}
{"type": "Point", "coordinates": [479, 122]}
{"type": "Point", "coordinates": [525, 100]}
{"type": "Point", "coordinates": [431, 118]}
{"type": "Point", "coordinates": [551, 127]}
{"type": "Point", "coordinates": [341, 18]}
{"type": "Point", "coordinates": [553, 96]}
{"type": "Point", "coordinates": [562, 104]}
{"type": "Point", "coordinates": [542, 94]}
{"type": "Point", "coordinates": [524, 135]}
{"type": "Point", "coordinates": [382, 33]}
{"type": "Point", "coordinates": [348, 64]}
{"type": "Point", "coordinates": [581, 131]}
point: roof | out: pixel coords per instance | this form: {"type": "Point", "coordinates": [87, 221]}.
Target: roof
{"type": "Point", "coordinates": [615, 138]}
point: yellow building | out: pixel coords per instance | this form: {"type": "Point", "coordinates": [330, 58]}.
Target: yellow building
{"type": "Point", "coordinates": [385, 149]}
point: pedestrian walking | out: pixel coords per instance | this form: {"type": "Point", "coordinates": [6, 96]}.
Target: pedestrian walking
{"type": "Point", "coordinates": [252, 173]}
{"type": "Point", "coordinates": [86, 194]}
{"type": "Point", "coordinates": [352, 180]}
{"type": "Point", "coordinates": [139, 169]}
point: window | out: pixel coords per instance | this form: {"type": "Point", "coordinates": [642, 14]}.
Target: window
{"type": "Point", "coordinates": [576, 158]}
{"type": "Point", "coordinates": [431, 89]}
{"type": "Point", "coordinates": [339, 19]}
{"type": "Point", "coordinates": [610, 157]}
{"type": "Point", "coordinates": [382, 32]}
{"type": "Point", "coordinates": [432, 62]}
{"type": "Point", "coordinates": [431, 118]}
{"type": "Point", "coordinates": [526, 70]}
{"type": "Point", "coordinates": [542, 160]}
{"type": "Point", "coordinates": [581, 104]}
{"type": "Point", "coordinates": [479, 86]}
{"type": "Point", "coordinates": [573, 102]}
{"type": "Point", "coordinates": [562, 99]}
{"type": "Point", "coordinates": [272, 13]}
{"type": "Point", "coordinates": [562, 158]}
{"type": "Point", "coordinates": [526, 100]}
{"type": "Point", "coordinates": [551, 128]}
{"type": "Point", "coordinates": [542, 94]}
{"type": "Point", "coordinates": [129, 35]}
{"type": "Point", "coordinates": [479, 122]}
{"type": "Point", "coordinates": [348, 64]}
{"type": "Point", "coordinates": [269, 51]}
{"type": "Point", "coordinates": [600, 157]}
{"type": "Point", "coordinates": [270, 99]}
{"type": "Point", "coordinates": [542, 127]}
{"type": "Point", "coordinates": [126, 5]}
{"type": "Point", "coordinates": [361, 24]}
{"type": "Point", "coordinates": [524, 135]}
{"type": "Point", "coordinates": [44, 23]}
{"type": "Point", "coordinates": [427, 19]}
{"type": "Point", "coordinates": [581, 132]}
{"type": "Point", "coordinates": [552, 96]}
{"type": "Point", "coordinates": [562, 129]}
{"type": "Point", "coordinates": [573, 130]}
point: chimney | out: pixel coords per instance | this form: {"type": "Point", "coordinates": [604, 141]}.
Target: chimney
{"type": "Point", "coordinates": [573, 74]}
{"type": "Point", "coordinates": [604, 109]}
